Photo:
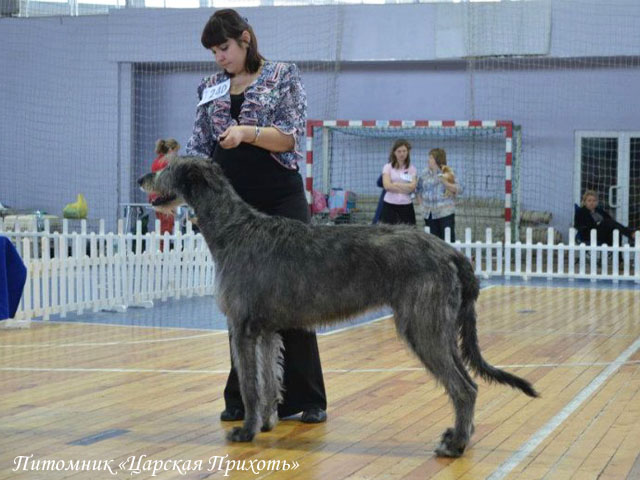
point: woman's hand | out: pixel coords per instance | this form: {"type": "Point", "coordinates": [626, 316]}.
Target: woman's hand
{"type": "Point", "coordinates": [235, 135]}
{"type": "Point", "coordinates": [269, 138]}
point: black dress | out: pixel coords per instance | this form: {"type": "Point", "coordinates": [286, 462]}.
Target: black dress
{"type": "Point", "coordinates": [275, 190]}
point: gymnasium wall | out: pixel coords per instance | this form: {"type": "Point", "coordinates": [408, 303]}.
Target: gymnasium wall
{"type": "Point", "coordinates": [83, 98]}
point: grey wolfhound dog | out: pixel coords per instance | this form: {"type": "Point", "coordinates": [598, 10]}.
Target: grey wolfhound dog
{"type": "Point", "coordinates": [275, 273]}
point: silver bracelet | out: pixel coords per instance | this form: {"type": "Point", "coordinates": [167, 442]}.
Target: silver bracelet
{"type": "Point", "coordinates": [258, 130]}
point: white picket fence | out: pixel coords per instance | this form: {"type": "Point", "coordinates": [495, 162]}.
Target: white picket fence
{"type": "Point", "coordinates": [80, 271]}
{"type": "Point", "coordinates": [552, 260]}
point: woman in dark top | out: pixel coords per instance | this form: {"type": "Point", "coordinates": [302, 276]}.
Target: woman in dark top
{"type": "Point", "coordinates": [250, 119]}
{"type": "Point", "coordinates": [590, 216]}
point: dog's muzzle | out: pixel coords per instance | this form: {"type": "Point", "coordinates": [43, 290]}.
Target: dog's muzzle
{"type": "Point", "coordinates": [145, 181]}
{"type": "Point", "coordinates": [146, 185]}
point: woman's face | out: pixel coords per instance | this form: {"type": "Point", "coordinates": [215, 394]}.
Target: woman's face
{"type": "Point", "coordinates": [591, 202]}
{"type": "Point", "coordinates": [231, 55]}
{"type": "Point", "coordinates": [401, 153]}
{"type": "Point", "coordinates": [433, 166]}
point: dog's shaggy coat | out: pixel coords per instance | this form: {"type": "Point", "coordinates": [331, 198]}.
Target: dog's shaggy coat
{"type": "Point", "coordinates": [275, 273]}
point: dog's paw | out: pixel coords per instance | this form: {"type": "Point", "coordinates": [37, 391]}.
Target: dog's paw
{"type": "Point", "coordinates": [269, 425]}
{"type": "Point", "coordinates": [240, 434]}
{"type": "Point", "coordinates": [447, 436]}
{"type": "Point", "coordinates": [448, 446]}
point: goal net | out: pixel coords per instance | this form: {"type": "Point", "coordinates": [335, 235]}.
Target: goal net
{"type": "Point", "coordinates": [349, 155]}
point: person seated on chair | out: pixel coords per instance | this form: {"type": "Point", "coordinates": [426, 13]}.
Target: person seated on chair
{"type": "Point", "coordinates": [590, 216]}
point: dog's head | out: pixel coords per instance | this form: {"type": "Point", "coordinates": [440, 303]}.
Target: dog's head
{"type": "Point", "coordinates": [176, 184]}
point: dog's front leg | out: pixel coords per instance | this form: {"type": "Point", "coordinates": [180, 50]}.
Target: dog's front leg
{"type": "Point", "coordinates": [270, 362]}
{"type": "Point", "coordinates": [243, 349]}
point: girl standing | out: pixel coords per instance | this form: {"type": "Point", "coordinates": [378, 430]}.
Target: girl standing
{"type": "Point", "coordinates": [399, 179]}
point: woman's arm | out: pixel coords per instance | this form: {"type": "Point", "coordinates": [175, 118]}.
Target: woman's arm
{"type": "Point", "coordinates": [412, 184]}
{"type": "Point", "coordinates": [289, 116]}
{"type": "Point", "coordinates": [286, 130]}
{"type": "Point", "coordinates": [604, 213]}
{"type": "Point", "coordinates": [269, 138]}
{"type": "Point", "coordinates": [201, 143]}
{"type": "Point", "coordinates": [386, 183]}
{"type": "Point", "coordinates": [396, 187]}
{"type": "Point", "coordinates": [583, 223]}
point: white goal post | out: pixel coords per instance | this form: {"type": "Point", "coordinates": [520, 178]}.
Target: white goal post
{"type": "Point", "coordinates": [350, 154]}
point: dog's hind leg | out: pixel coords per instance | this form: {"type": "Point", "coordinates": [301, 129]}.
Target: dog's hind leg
{"type": "Point", "coordinates": [463, 392]}
{"type": "Point", "coordinates": [445, 364]}
{"type": "Point", "coordinates": [245, 356]}
{"type": "Point", "coordinates": [439, 354]}
{"type": "Point", "coordinates": [270, 357]}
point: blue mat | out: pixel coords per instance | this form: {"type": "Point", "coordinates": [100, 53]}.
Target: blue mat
{"type": "Point", "coordinates": [202, 313]}
{"type": "Point", "coordinates": [197, 313]}
{"type": "Point", "coordinates": [12, 277]}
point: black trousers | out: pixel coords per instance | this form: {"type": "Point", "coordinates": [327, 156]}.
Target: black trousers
{"type": "Point", "coordinates": [394, 214]}
{"type": "Point", "coordinates": [437, 226]}
{"type": "Point", "coordinates": [303, 383]}
{"type": "Point", "coordinates": [605, 231]}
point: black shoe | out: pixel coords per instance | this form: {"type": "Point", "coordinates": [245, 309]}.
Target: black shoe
{"type": "Point", "coordinates": [232, 415]}
{"type": "Point", "coordinates": [314, 415]}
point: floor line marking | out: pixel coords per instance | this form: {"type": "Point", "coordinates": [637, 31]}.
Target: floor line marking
{"type": "Point", "coordinates": [328, 370]}
{"type": "Point", "coordinates": [39, 321]}
{"type": "Point", "coordinates": [101, 344]}
{"type": "Point", "coordinates": [351, 327]}
{"type": "Point", "coordinates": [537, 438]}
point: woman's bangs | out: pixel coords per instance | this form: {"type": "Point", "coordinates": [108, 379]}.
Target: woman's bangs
{"type": "Point", "coordinates": [213, 34]}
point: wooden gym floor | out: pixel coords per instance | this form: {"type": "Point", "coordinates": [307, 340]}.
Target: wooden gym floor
{"type": "Point", "coordinates": [87, 392]}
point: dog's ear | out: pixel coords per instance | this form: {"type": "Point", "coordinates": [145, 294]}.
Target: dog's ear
{"type": "Point", "coordinates": [214, 176]}
{"type": "Point", "coordinates": [176, 176]}
{"type": "Point", "coordinates": [187, 173]}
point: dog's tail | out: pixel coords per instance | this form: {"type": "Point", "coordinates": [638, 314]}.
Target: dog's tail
{"type": "Point", "coordinates": [469, 337]}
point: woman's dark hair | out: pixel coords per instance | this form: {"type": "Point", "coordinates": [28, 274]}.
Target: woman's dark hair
{"type": "Point", "coordinates": [401, 142]}
{"type": "Point", "coordinates": [227, 24]}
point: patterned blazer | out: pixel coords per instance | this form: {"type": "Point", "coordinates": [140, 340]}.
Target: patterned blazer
{"type": "Point", "coordinates": [275, 99]}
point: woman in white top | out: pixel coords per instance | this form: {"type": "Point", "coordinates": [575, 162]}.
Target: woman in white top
{"type": "Point", "coordinates": [399, 179]}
